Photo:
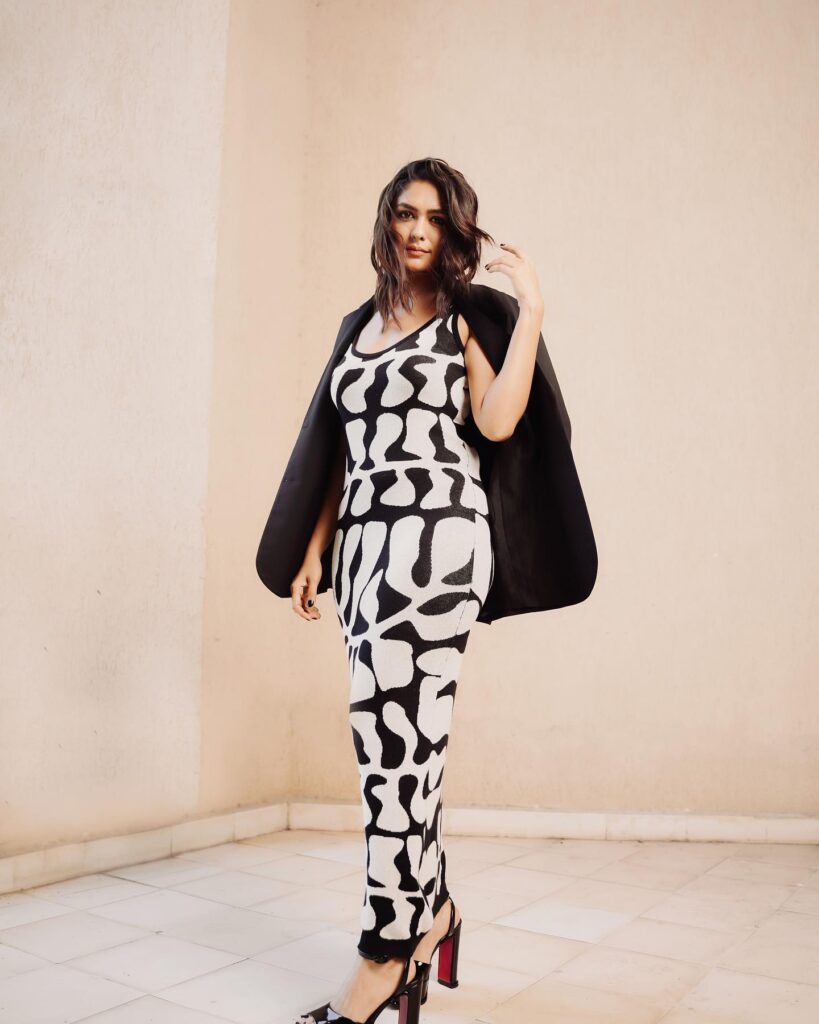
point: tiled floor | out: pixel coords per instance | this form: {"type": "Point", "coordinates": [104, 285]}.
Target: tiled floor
{"type": "Point", "coordinates": [564, 931]}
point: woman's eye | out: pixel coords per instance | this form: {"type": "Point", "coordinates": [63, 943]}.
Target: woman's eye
{"type": "Point", "coordinates": [437, 220]}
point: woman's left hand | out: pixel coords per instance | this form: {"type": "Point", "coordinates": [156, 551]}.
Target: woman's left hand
{"type": "Point", "coordinates": [518, 267]}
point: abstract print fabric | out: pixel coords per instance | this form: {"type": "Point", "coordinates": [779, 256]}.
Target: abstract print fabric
{"type": "Point", "coordinates": [412, 563]}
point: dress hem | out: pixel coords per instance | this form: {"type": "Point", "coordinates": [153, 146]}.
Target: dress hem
{"type": "Point", "coordinates": [379, 950]}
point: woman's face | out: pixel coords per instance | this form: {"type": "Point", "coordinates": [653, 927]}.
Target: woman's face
{"type": "Point", "coordinates": [419, 224]}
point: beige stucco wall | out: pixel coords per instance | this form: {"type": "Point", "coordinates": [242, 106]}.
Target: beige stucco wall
{"type": "Point", "coordinates": [250, 674]}
{"type": "Point", "coordinates": [188, 213]}
{"type": "Point", "coordinates": [112, 119]}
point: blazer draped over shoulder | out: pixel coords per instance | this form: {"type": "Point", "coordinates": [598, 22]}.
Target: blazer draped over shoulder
{"type": "Point", "coordinates": [544, 547]}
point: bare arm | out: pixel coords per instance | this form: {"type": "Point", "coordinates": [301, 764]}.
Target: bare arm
{"type": "Point", "coordinates": [499, 400]}
{"type": "Point", "coordinates": [505, 401]}
{"type": "Point", "coordinates": [303, 589]}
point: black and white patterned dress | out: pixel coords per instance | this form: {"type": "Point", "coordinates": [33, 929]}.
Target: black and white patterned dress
{"type": "Point", "coordinates": [412, 563]}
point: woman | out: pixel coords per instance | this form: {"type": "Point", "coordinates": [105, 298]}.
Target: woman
{"type": "Point", "coordinates": [412, 559]}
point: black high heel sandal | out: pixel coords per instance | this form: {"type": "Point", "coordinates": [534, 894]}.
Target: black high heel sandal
{"type": "Point", "coordinates": [407, 997]}
{"type": "Point", "coordinates": [447, 949]}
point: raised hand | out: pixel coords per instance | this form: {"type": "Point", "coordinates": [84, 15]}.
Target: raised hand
{"type": "Point", "coordinates": [521, 271]}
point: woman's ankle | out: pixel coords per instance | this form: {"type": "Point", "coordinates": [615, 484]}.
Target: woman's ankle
{"type": "Point", "coordinates": [426, 947]}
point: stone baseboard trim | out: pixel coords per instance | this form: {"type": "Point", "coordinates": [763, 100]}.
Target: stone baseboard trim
{"type": "Point", "coordinates": [58, 863]}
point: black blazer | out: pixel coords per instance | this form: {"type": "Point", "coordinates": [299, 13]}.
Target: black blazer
{"type": "Point", "coordinates": [545, 553]}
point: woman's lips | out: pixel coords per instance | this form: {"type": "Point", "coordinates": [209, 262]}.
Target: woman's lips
{"type": "Point", "coordinates": [417, 252]}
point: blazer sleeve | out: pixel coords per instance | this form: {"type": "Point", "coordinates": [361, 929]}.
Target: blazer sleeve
{"type": "Point", "coordinates": [301, 492]}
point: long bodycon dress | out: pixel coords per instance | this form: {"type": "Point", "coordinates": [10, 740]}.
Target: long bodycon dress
{"type": "Point", "coordinates": [412, 563]}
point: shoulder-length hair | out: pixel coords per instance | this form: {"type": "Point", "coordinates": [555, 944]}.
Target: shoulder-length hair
{"type": "Point", "coordinates": [460, 254]}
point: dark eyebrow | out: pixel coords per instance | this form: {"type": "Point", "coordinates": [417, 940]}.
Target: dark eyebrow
{"type": "Point", "coordinates": [411, 207]}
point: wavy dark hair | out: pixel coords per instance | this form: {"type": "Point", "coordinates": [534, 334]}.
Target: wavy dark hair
{"type": "Point", "coordinates": [459, 255]}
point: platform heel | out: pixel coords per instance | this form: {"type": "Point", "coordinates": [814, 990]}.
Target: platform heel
{"type": "Point", "coordinates": [448, 958]}
{"type": "Point", "coordinates": [409, 1004]}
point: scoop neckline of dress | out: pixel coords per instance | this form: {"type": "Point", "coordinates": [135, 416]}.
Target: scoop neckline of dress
{"type": "Point", "coordinates": [371, 355]}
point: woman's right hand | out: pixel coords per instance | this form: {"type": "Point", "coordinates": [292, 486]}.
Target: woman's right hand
{"type": "Point", "coordinates": [304, 586]}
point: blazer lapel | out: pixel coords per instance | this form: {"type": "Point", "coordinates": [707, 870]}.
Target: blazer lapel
{"type": "Point", "coordinates": [355, 321]}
